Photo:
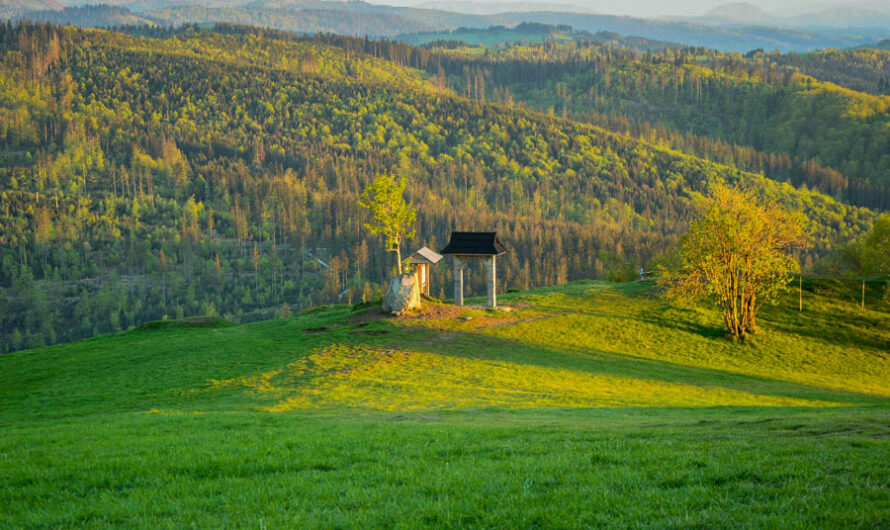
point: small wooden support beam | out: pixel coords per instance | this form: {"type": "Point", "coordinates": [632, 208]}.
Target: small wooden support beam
{"type": "Point", "coordinates": [458, 281]}
{"type": "Point", "coordinates": [425, 274]}
{"type": "Point", "coordinates": [491, 284]}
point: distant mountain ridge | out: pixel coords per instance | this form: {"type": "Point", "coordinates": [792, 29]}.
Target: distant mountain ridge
{"type": "Point", "coordinates": [11, 8]}
{"type": "Point", "coordinates": [743, 13]}
{"type": "Point", "coordinates": [493, 8]}
{"type": "Point", "coordinates": [845, 17]}
{"type": "Point", "coordinates": [528, 32]}
{"type": "Point", "coordinates": [359, 18]}
{"type": "Point", "coordinates": [739, 12]}
{"type": "Point", "coordinates": [90, 16]}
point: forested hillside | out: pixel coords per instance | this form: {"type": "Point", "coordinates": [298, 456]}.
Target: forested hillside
{"type": "Point", "coordinates": [740, 37]}
{"type": "Point", "coordinates": [87, 16]}
{"type": "Point", "coordinates": [748, 111]}
{"type": "Point", "coordinates": [347, 22]}
{"type": "Point", "coordinates": [217, 173]}
{"type": "Point", "coordinates": [12, 8]}
{"type": "Point", "coordinates": [862, 69]}
{"type": "Point", "coordinates": [528, 32]}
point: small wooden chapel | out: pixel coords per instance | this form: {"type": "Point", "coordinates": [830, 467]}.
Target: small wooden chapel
{"type": "Point", "coordinates": [422, 259]}
{"type": "Point", "coordinates": [484, 246]}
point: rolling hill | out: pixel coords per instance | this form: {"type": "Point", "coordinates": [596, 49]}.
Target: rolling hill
{"type": "Point", "coordinates": [187, 198]}
{"type": "Point", "coordinates": [860, 69]}
{"type": "Point", "coordinates": [13, 8]}
{"type": "Point", "coordinates": [588, 404]}
{"type": "Point", "coordinates": [217, 172]}
{"type": "Point", "coordinates": [738, 13]}
{"type": "Point", "coordinates": [526, 33]}
{"type": "Point", "coordinates": [758, 111]}
{"type": "Point", "coordinates": [492, 8]}
{"type": "Point", "coordinates": [846, 17]}
{"type": "Point", "coordinates": [725, 38]}
{"type": "Point", "coordinates": [89, 16]}
{"type": "Point", "coordinates": [742, 14]}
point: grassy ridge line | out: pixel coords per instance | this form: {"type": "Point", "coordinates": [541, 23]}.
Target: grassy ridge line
{"type": "Point", "coordinates": [576, 329]}
{"type": "Point", "coordinates": [130, 430]}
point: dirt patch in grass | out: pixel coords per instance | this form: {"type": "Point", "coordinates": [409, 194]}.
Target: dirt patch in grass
{"type": "Point", "coordinates": [367, 316]}
{"type": "Point", "coordinates": [371, 332]}
{"type": "Point", "coordinates": [436, 312]}
{"type": "Point", "coordinates": [431, 311]}
{"type": "Point", "coordinates": [428, 311]}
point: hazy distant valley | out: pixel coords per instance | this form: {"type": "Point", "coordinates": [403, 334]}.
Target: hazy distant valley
{"type": "Point", "coordinates": [732, 27]}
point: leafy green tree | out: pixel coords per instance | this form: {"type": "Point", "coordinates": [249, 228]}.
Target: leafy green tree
{"type": "Point", "coordinates": [874, 249]}
{"type": "Point", "coordinates": [870, 255]}
{"type": "Point", "coordinates": [392, 215]}
{"type": "Point", "coordinates": [617, 268]}
{"type": "Point", "coordinates": [738, 253]}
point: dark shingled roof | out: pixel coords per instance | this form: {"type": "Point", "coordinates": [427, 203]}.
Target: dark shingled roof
{"type": "Point", "coordinates": [474, 244]}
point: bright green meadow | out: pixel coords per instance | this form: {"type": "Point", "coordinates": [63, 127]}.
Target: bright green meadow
{"type": "Point", "coordinates": [586, 405]}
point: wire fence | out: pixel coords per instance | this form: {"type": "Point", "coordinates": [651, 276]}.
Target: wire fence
{"type": "Point", "coordinates": [871, 288]}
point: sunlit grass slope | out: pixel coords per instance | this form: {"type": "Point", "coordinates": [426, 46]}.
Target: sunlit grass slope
{"type": "Point", "coordinates": [581, 345]}
{"type": "Point", "coordinates": [410, 380]}
{"type": "Point", "coordinates": [587, 404]}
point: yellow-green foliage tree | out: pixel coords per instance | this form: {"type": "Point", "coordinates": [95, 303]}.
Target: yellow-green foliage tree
{"type": "Point", "coordinates": [874, 249]}
{"type": "Point", "coordinates": [738, 253]}
{"type": "Point", "coordinates": [392, 215]}
{"type": "Point", "coordinates": [870, 255]}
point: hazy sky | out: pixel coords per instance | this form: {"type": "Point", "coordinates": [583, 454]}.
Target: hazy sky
{"type": "Point", "coordinates": [653, 8]}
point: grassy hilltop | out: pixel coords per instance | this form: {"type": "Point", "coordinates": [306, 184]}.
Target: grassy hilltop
{"type": "Point", "coordinates": [588, 404]}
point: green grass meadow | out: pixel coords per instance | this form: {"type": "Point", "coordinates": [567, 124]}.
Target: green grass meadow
{"type": "Point", "coordinates": [589, 404]}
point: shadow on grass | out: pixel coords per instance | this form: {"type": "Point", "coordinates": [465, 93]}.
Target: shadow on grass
{"type": "Point", "coordinates": [664, 318]}
{"type": "Point", "coordinates": [824, 323]}
{"type": "Point", "coordinates": [479, 345]}
{"type": "Point", "coordinates": [190, 322]}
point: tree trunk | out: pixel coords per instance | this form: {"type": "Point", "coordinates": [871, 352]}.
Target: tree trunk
{"type": "Point", "coordinates": [752, 309]}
